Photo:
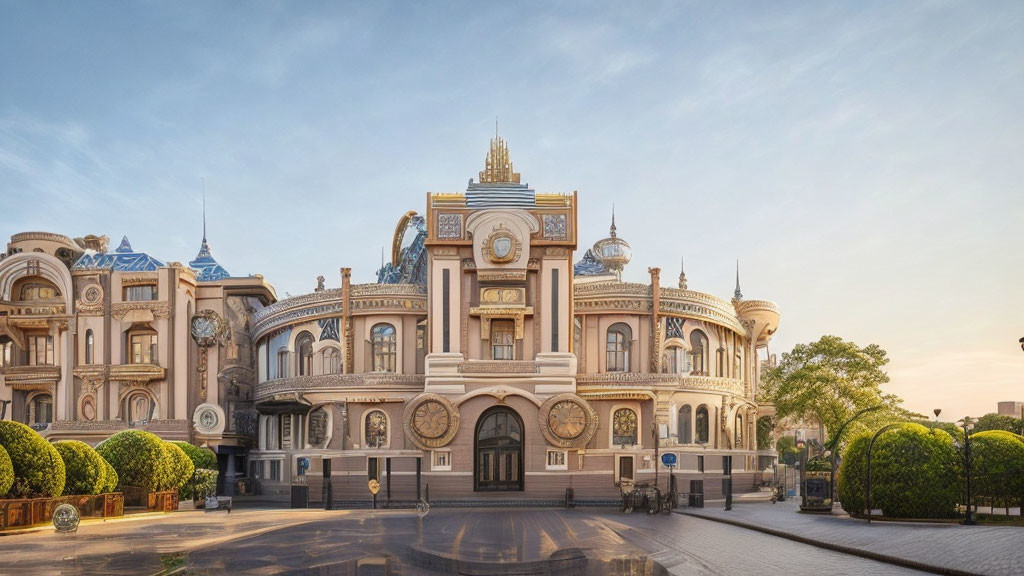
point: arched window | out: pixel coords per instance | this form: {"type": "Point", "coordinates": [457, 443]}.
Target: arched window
{"type": "Point", "coordinates": [376, 429]}
{"type": "Point", "coordinates": [702, 424]}
{"type": "Point", "coordinates": [304, 346]}
{"type": "Point", "coordinates": [624, 426]}
{"type": "Point", "coordinates": [739, 432]}
{"type": "Point", "coordinates": [382, 339]}
{"type": "Point", "coordinates": [676, 360]}
{"type": "Point", "coordinates": [89, 342]}
{"type": "Point", "coordinates": [502, 340]}
{"type": "Point", "coordinates": [138, 408]}
{"type": "Point", "coordinates": [685, 428]}
{"type": "Point", "coordinates": [617, 357]}
{"type": "Point", "coordinates": [332, 361]}
{"type": "Point", "coordinates": [36, 289]}
{"type": "Point", "coordinates": [41, 409]}
{"type": "Point", "coordinates": [699, 346]}
{"type": "Point", "coordinates": [282, 362]}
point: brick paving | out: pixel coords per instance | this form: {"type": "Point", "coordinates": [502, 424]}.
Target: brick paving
{"type": "Point", "coordinates": [944, 548]}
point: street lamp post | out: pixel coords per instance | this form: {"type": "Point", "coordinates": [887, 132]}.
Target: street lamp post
{"type": "Point", "coordinates": [968, 425]}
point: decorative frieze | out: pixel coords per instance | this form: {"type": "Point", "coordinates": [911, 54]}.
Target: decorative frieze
{"type": "Point", "coordinates": [449, 226]}
{"type": "Point", "coordinates": [499, 367]}
{"type": "Point", "coordinates": [119, 310]}
{"type": "Point", "coordinates": [554, 226]}
{"type": "Point", "coordinates": [373, 380]}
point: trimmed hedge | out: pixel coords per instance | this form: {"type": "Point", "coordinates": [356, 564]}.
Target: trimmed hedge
{"type": "Point", "coordinates": [85, 470]}
{"type": "Point", "coordinates": [110, 477]}
{"type": "Point", "coordinates": [38, 467]}
{"type": "Point", "coordinates": [6, 472]}
{"type": "Point", "coordinates": [182, 466]}
{"type": "Point", "coordinates": [997, 465]}
{"type": "Point", "coordinates": [140, 459]}
{"type": "Point", "coordinates": [201, 457]}
{"type": "Point", "coordinates": [853, 474]}
{"type": "Point", "coordinates": [916, 473]}
{"type": "Point", "coordinates": [203, 484]}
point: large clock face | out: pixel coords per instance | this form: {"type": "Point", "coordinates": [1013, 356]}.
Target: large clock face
{"type": "Point", "coordinates": [431, 419]}
{"type": "Point", "coordinates": [567, 419]}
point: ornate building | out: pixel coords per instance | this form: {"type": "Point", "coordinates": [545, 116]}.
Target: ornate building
{"type": "Point", "coordinates": [483, 361]}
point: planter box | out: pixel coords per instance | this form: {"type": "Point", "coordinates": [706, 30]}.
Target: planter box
{"type": "Point", "coordinates": [23, 512]}
{"type": "Point", "coordinates": [166, 501]}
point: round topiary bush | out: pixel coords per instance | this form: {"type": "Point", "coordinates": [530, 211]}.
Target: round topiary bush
{"type": "Point", "coordinates": [201, 457]}
{"type": "Point", "coordinates": [6, 472]}
{"type": "Point", "coordinates": [38, 468]}
{"type": "Point", "coordinates": [202, 484]}
{"type": "Point", "coordinates": [916, 473]}
{"type": "Point", "coordinates": [140, 459]}
{"type": "Point", "coordinates": [109, 477]}
{"type": "Point", "coordinates": [85, 470]}
{"type": "Point", "coordinates": [182, 469]}
{"type": "Point", "coordinates": [997, 466]}
{"type": "Point", "coordinates": [852, 475]}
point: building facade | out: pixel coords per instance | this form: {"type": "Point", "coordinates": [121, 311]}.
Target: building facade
{"type": "Point", "coordinates": [486, 362]}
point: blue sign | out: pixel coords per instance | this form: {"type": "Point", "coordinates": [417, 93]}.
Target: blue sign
{"type": "Point", "coordinates": [668, 459]}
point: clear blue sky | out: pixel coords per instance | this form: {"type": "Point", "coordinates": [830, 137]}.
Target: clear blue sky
{"type": "Point", "coordinates": [862, 160]}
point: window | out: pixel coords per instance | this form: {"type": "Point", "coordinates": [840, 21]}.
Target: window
{"type": "Point", "coordinates": [502, 340]}
{"type": "Point", "coordinates": [676, 360]}
{"type": "Point", "coordinates": [700, 463]}
{"type": "Point", "coordinates": [304, 344]}
{"type": "Point", "coordinates": [685, 428]}
{"type": "Point", "coordinates": [42, 409]}
{"type": "Point", "coordinates": [625, 468]}
{"type": "Point", "coordinates": [139, 408]}
{"type": "Point", "coordinates": [699, 344]}
{"type": "Point", "coordinates": [286, 431]}
{"type": "Point", "coordinates": [617, 359]}
{"type": "Point", "coordinates": [6, 352]}
{"type": "Point", "coordinates": [137, 293]}
{"type": "Point", "coordinates": [332, 361]}
{"type": "Point", "coordinates": [382, 339]}
{"type": "Point", "coordinates": [442, 460]}
{"type": "Point", "coordinates": [624, 426]}
{"type": "Point", "coordinates": [142, 348]}
{"type": "Point", "coordinates": [421, 346]}
{"type": "Point", "coordinates": [702, 424]}
{"type": "Point", "coordinates": [255, 469]}
{"type": "Point", "coordinates": [577, 341]}
{"type": "Point", "coordinates": [376, 429]}
{"type": "Point", "coordinates": [38, 292]}
{"type": "Point", "coordinates": [271, 435]}
{"type": "Point", "coordinates": [40, 350]}
{"type": "Point", "coordinates": [89, 347]}
{"type": "Point", "coordinates": [282, 363]}
{"type": "Point", "coordinates": [556, 460]}
{"type": "Point", "coordinates": [739, 432]}
{"type": "Point", "coordinates": [275, 470]}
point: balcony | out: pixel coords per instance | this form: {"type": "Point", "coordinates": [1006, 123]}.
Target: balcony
{"type": "Point", "coordinates": [633, 380]}
{"type": "Point", "coordinates": [137, 373]}
{"type": "Point", "coordinates": [30, 377]}
{"type": "Point", "coordinates": [365, 384]}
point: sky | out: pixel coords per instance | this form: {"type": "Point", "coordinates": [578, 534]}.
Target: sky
{"type": "Point", "coordinates": [861, 160]}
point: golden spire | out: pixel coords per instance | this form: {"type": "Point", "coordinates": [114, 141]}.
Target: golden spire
{"type": "Point", "coordinates": [498, 167]}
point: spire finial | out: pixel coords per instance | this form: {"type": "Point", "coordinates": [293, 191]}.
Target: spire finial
{"type": "Point", "coordinates": [611, 230]}
{"type": "Point", "coordinates": [204, 209]}
{"type": "Point", "coordinates": [738, 295]}
{"type": "Point", "coordinates": [682, 273]}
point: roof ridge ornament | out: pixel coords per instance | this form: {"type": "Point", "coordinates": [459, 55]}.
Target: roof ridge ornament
{"type": "Point", "coordinates": [498, 167]}
{"type": "Point", "coordinates": [125, 245]}
{"type": "Point", "coordinates": [738, 295]}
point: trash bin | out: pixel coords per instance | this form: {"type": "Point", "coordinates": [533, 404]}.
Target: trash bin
{"type": "Point", "coordinates": [300, 496]}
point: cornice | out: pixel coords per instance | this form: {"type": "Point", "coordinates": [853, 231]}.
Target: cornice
{"type": "Point", "coordinates": [374, 381]}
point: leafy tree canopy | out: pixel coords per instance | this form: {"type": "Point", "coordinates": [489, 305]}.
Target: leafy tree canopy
{"type": "Point", "coordinates": [832, 380]}
{"type": "Point", "coordinates": [993, 421]}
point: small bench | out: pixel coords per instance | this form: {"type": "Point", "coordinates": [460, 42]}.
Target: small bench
{"type": "Point", "coordinates": [214, 503]}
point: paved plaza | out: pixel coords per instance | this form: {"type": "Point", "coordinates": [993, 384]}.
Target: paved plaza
{"type": "Point", "coordinates": [446, 541]}
{"type": "Point", "coordinates": [948, 548]}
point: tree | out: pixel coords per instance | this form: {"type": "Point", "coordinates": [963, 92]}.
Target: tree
{"type": "Point", "coordinates": [832, 380]}
{"type": "Point", "coordinates": [993, 421]}
{"type": "Point", "coordinates": [788, 451]}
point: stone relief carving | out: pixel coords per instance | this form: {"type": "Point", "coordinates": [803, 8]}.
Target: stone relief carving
{"type": "Point", "coordinates": [449, 226]}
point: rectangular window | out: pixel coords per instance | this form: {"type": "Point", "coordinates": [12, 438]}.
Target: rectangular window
{"type": "Point", "coordinates": [282, 363]}
{"type": "Point", "coordinates": [625, 468]}
{"type": "Point", "coordinates": [40, 350]}
{"type": "Point", "coordinates": [275, 470]}
{"type": "Point", "coordinates": [255, 469]}
{"type": "Point", "coordinates": [442, 460]}
{"type": "Point", "coordinates": [700, 463]}
{"type": "Point", "coordinates": [140, 293]}
{"type": "Point", "coordinates": [556, 460]}
{"type": "Point", "coordinates": [286, 431]}
{"type": "Point", "coordinates": [143, 349]}
{"type": "Point", "coordinates": [503, 344]}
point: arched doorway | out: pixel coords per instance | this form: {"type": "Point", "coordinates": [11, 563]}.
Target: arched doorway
{"type": "Point", "coordinates": [498, 449]}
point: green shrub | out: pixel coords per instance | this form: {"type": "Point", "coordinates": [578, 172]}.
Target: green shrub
{"type": "Point", "coordinates": [85, 470]}
{"type": "Point", "coordinates": [6, 472]}
{"type": "Point", "coordinates": [203, 484]}
{"type": "Point", "coordinates": [38, 468]}
{"type": "Point", "coordinates": [201, 457]}
{"type": "Point", "coordinates": [182, 469]}
{"type": "Point", "coordinates": [140, 459]}
{"type": "Point", "coordinates": [852, 475]}
{"type": "Point", "coordinates": [916, 473]}
{"type": "Point", "coordinates": [997, 465]}
{"type": "Point", "coordinates": [109, 477]}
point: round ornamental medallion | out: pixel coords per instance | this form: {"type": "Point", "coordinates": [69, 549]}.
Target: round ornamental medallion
{"type": "Point", "coordinates": [431, 421]}
{"type": "Point", "coordinates": [502, 246]}
{"type": "Point", "coordinates": [567, 421]}
{"type": "Point", "coordinates": [92, 295]}
{"type": "Point", "coordinates": [208, 419]}
{"type": "Point", "coordinates": [206, 326]}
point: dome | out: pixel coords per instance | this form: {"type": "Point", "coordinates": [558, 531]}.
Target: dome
{"type": "Point", "coordinates": [613, 252]}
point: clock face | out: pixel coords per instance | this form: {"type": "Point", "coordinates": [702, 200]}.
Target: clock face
{"type": "Point", "coordinates": [625, 423]}
{"type": "Point", "coordinates": [567, 419]}
{"type": "Point", "coordinates": [431, 419]}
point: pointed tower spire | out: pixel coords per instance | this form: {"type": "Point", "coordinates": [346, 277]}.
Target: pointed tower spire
{"type": "Point", "coordinates": [738, 295]}
{"type": "Point", "coordinates": [682, 273]}
{"type": "Point", "coordinates": [611, 229]}
{"type": "Point", "coordinates": [204, 209]}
